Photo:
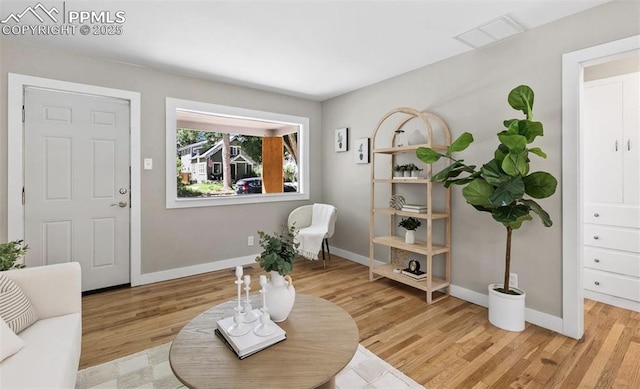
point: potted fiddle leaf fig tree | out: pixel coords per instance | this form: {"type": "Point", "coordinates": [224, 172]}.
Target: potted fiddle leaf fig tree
{"type": "Point", "coordinates": [505, 188]}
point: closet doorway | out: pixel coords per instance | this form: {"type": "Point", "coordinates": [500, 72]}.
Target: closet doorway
{"type": "Point", "coordinates": [610, 133]}
{"type": "Point", "coordinates": [573, 158]}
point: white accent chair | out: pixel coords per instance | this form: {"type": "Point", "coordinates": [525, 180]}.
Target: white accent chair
{"type": "Point", "coordinates": [301, 218]}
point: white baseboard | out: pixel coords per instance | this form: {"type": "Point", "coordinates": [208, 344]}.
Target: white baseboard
{"type": "Point", "coordinates": [612, 300]}
{"type": "Point", "coordinates": [165, 275]}
{"type": "Point", "coordinates": [538, 318]}
{"type": "Point", "coordinates": [357, 258]}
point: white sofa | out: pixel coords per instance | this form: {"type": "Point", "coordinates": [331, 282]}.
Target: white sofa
{"type": "Point", "coordinates": [51, 353]}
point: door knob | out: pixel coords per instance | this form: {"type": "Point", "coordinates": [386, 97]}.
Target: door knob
{"type": "Point", "coordinates": [121, 204]}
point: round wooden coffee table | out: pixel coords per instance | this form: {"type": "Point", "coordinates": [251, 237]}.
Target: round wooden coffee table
{"type": "Point", "coordinates": [321, 340]}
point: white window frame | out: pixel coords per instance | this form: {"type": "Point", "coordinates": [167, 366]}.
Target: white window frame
{"type": "Point", "coordinates": [172, 200]}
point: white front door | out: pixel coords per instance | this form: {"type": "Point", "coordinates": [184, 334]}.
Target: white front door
{"type": "Point", "coordinates": [76, 183]}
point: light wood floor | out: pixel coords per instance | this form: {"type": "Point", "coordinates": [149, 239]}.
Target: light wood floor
{"type": "Point", "coordinates": [449, 344]}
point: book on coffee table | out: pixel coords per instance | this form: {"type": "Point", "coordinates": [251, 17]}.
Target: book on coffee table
{"type": "Point", "coordinates": [249, 343]}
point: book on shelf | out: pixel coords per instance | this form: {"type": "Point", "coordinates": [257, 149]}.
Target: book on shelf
{"type": "Point", "coordinates": [419, 275]}
{"type": "Point", "coordinates": [415, 208]}
{"type": "Point", "coordinates": [249, 343]}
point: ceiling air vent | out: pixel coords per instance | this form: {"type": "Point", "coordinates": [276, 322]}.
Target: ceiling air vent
{"type": "Point", "coordinates": [490, 32]}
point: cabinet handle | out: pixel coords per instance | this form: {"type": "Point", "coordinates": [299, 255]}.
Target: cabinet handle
{"type": "Point", "coordinates": [596, 260]}
{"type": "Point", "coordinates": [596, 237]}
{"type": "Point", "coordinates": [616, 145]}
{"type": "Point", "coordinates": [596, 214]}
{"type": "Point", "coordinates": [597, 283]}
{"type": "Point", "coordinates": [628, 144]}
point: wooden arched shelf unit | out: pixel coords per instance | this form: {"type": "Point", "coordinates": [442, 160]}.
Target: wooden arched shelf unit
{"type": "Point", "coordinates": [436, 288]}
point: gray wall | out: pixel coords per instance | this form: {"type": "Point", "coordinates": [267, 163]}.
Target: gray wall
{"type": "Point", "coordinates": [177, 237]}
{"type": "Point", "coordinates": [469, 91]}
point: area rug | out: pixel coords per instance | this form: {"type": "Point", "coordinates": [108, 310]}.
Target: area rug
{"type": "Point", "coordinates": [149, 369]}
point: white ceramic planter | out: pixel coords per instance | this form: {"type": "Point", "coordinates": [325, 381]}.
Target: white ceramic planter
{"type": "Point", "coordinates": [506, 311]}
{"type": "Point", "coordinates": [410, 237]}
{"type": "Point", "coordinates": [280, 296]}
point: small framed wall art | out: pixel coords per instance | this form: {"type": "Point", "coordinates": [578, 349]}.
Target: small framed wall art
{"type": "Point", "coordinates": [341, 142]}
{"type": "Point", "coordinates": [361, 150]}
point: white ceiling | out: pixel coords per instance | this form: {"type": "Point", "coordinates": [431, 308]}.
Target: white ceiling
{"type": "Point", "coordinates": [311, 49]}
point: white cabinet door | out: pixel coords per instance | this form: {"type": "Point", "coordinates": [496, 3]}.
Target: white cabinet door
{"type": "Point", "coordinates": [611, 120]}
{"type": "Point", "coordinates": [602, 118]}
{"type": "Point", "coordinates": [631, 139]}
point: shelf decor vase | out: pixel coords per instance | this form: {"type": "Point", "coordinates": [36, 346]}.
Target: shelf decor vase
{"type": "Point", "coordinates": [280, 296]}
{"type": "Point", "coordinates": [506, 311]}
{"type": "Point", "coordinates": [410, 237]}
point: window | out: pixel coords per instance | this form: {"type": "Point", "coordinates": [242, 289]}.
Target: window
{"type": "Point", "coordinates": [243, 134]}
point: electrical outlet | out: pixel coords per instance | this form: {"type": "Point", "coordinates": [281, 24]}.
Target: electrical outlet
{"type": "Point", "coordinates": [513, 280]}
{"type": "Point", "coordinates": [250, 240]}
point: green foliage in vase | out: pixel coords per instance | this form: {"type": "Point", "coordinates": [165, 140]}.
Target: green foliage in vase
{"type": "Point", "coordinates": [10, 252]}
{"type": "Point", "coordinates": [279, 251]}
{"type": "Point", "coordinates": [501, 186]}
{"type": "Point", "coordinates": [410, 223]}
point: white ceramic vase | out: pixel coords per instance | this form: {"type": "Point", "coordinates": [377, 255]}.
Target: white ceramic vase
{"type": "Point", "coordinates": [280, 296]}
{"type": "Point", "coordinates": [410, 237]}
{"type": "Point", "coordinates": [506, 311]}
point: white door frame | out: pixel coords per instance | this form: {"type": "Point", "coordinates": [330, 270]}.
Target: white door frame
{"type": "Point", "coordinates": [573, 65]}
{"type": "Point", "coordinates": [15, 154]}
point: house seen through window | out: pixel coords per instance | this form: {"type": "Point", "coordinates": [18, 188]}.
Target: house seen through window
{"type": "Point", "coordinates": [222, 156]}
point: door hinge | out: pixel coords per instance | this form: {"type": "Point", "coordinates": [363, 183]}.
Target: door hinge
{"type": "Point", "coordinates": [23, 114]}
{"type": "Point", "coordinates": [23, 195]}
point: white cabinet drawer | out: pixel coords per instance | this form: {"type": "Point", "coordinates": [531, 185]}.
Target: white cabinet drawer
{"type": "Point", "coordinates": [626, 239]}
{"type": "Point", "coordinates": [612, 261]}
{"type": "Point", "coordinates": [612, 284]}
{"type": "Point", "coordinates": [612, 215]}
